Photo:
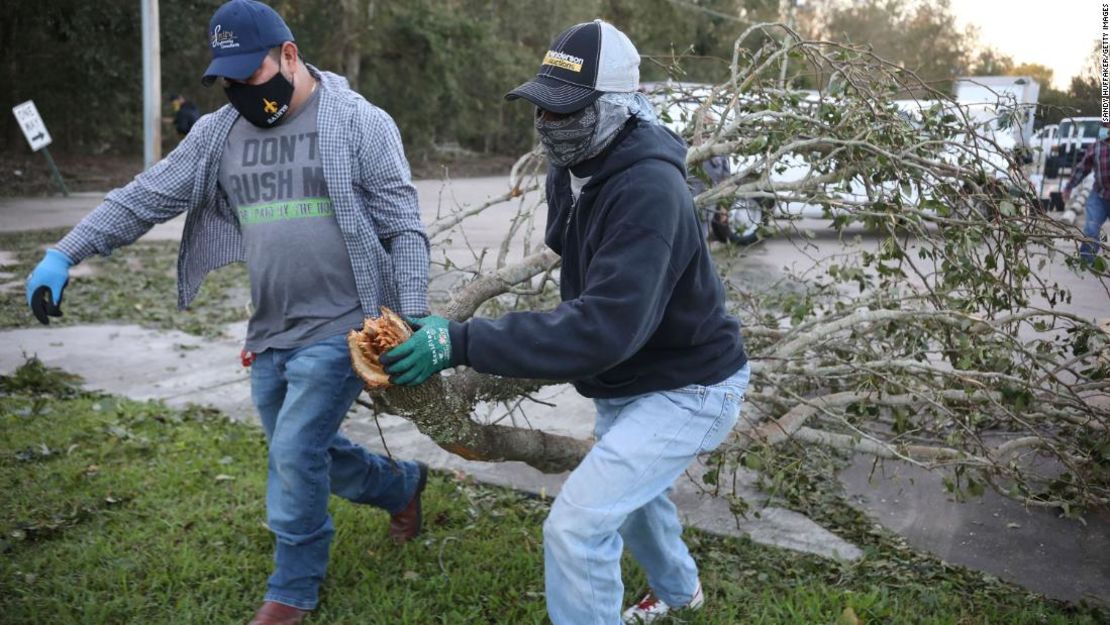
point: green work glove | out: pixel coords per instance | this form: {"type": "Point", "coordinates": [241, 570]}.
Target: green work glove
{"type": "Point", "coordinates": [425, 353]}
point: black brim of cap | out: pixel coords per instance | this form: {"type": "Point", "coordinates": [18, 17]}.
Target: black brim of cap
{"type": "Point", "coordinates": [237, 67]}
{"type": "Point", "coordinates": [552, 94]}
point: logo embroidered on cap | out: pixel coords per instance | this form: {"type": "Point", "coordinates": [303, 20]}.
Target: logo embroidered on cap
{"type": "Point", "coordinates": [563, 60]}
{"type": "Point", "coordinates": [223, 40]}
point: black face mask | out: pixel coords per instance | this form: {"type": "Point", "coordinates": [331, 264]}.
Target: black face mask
{"type": "Point", "coordinates": [263, 105]}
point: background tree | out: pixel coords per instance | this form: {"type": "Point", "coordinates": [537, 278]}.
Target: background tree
{"type": "Point", "coordinates": [439, 67]}
{"type": "Point", "coordinates": [920, 36]}
{"type": "Point", "coordinates": [1085, 88]}
{"type": "Point", "coordinates": [1041, 73]}
{"type": "Point", "coordinates": [991, 62]}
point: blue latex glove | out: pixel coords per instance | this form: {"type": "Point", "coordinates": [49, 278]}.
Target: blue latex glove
{"type": "Point", "coordinates": [45, 285]}
{"type": "Point", "coordinates": [427, 352]}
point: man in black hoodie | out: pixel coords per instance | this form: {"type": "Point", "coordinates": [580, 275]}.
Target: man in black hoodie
{"type": "Point", "coordinates": [642, 329]}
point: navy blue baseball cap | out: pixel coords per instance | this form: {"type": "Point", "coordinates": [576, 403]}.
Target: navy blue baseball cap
{"type": "Point", "coordinates": [240, 33]}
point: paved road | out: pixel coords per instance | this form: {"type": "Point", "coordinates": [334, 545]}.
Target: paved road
{"type": "Point", "coordinates": [994, 535]}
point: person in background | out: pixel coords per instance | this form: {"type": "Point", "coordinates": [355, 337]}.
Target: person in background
{"type": "Point", "coordinates": [1097, 159]}
{"type": "Point", "coordinates": [185, 114]}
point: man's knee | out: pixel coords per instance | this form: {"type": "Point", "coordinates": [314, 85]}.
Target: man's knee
{"type": "Point", "coordinates": [560, 527]}
{"type": "Point", "coordinates": [293, 460]}
{"type": "Point", "coordinates": [567, 524]}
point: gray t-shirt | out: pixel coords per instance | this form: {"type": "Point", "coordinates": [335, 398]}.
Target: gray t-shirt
{"type": "Point", "coordinates": [302, 285]}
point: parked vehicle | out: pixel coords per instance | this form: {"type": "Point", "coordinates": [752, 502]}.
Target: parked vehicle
{"type": "Point", "coordinates": [1043, 143]}
{"type": "Point", "coordinates": [739, 220]}
{"type": "Point", "coordinates": [1075, 134]}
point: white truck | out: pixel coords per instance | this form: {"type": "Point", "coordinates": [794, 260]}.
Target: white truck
{"type": "Point", "coordinates": [1044, 142]}
{"type": "Point", "coordinates": [1075, 135]}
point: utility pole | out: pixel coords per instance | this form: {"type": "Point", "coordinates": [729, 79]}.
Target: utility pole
{"type": "Point", "coordinates": [152, 85]}
{"type": "Point", "coordinates": [788, 12]}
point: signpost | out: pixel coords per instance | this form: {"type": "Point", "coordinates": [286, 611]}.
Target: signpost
{"type": "Point", "coordinates": [37, 136]}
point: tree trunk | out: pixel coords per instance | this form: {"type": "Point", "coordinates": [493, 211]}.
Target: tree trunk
{"type": "Point", "coordinates": [357, 15]}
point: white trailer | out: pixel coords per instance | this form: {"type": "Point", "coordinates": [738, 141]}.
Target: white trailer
{"type": "Point", "coordinates": [1004, 106]}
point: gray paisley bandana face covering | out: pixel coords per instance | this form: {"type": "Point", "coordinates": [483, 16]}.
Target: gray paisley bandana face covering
{"type": "Point", "coordinates": [583, 135]}
{"type": "Point", "coordinates": [567, 140]}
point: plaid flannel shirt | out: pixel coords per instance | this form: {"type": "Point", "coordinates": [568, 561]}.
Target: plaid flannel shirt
{"type": "Point", "coordinates": [1097, 157]}
{"type": "Point", "coordinates": [367, 177]}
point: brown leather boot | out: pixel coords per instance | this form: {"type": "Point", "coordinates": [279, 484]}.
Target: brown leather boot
{"type": "Point", "coordinates": [406, 524]}
{"type": "Point", "coordinates": [274, 613]}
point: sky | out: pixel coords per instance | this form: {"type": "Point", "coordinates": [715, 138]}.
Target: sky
{"type": "Point", "coordinates": [1059, 37]}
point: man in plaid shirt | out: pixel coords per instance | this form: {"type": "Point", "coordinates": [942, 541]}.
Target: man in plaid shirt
{"type": "Point", "coordinates": [307, 182]}
{"type": "Point", "coordinates": [1097, 157]}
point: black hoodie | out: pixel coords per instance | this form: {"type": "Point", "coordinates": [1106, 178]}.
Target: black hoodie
{"type": "Point", "coordinates": [643, 308]}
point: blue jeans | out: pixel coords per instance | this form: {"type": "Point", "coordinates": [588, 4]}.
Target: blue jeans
{"type": "Point", "coordinates": [1097, 210]}
{"type": "Point", "coordinates": [617, 497]}
{"type": "Point", "coordinates": [302, 396]}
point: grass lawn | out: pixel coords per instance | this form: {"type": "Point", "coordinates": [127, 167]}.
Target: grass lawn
{"type": "Point", "coordinates": [115, 511]}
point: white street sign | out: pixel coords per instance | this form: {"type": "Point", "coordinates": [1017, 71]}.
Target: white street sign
{"type": "Point", "coordinates": [33, 127]}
